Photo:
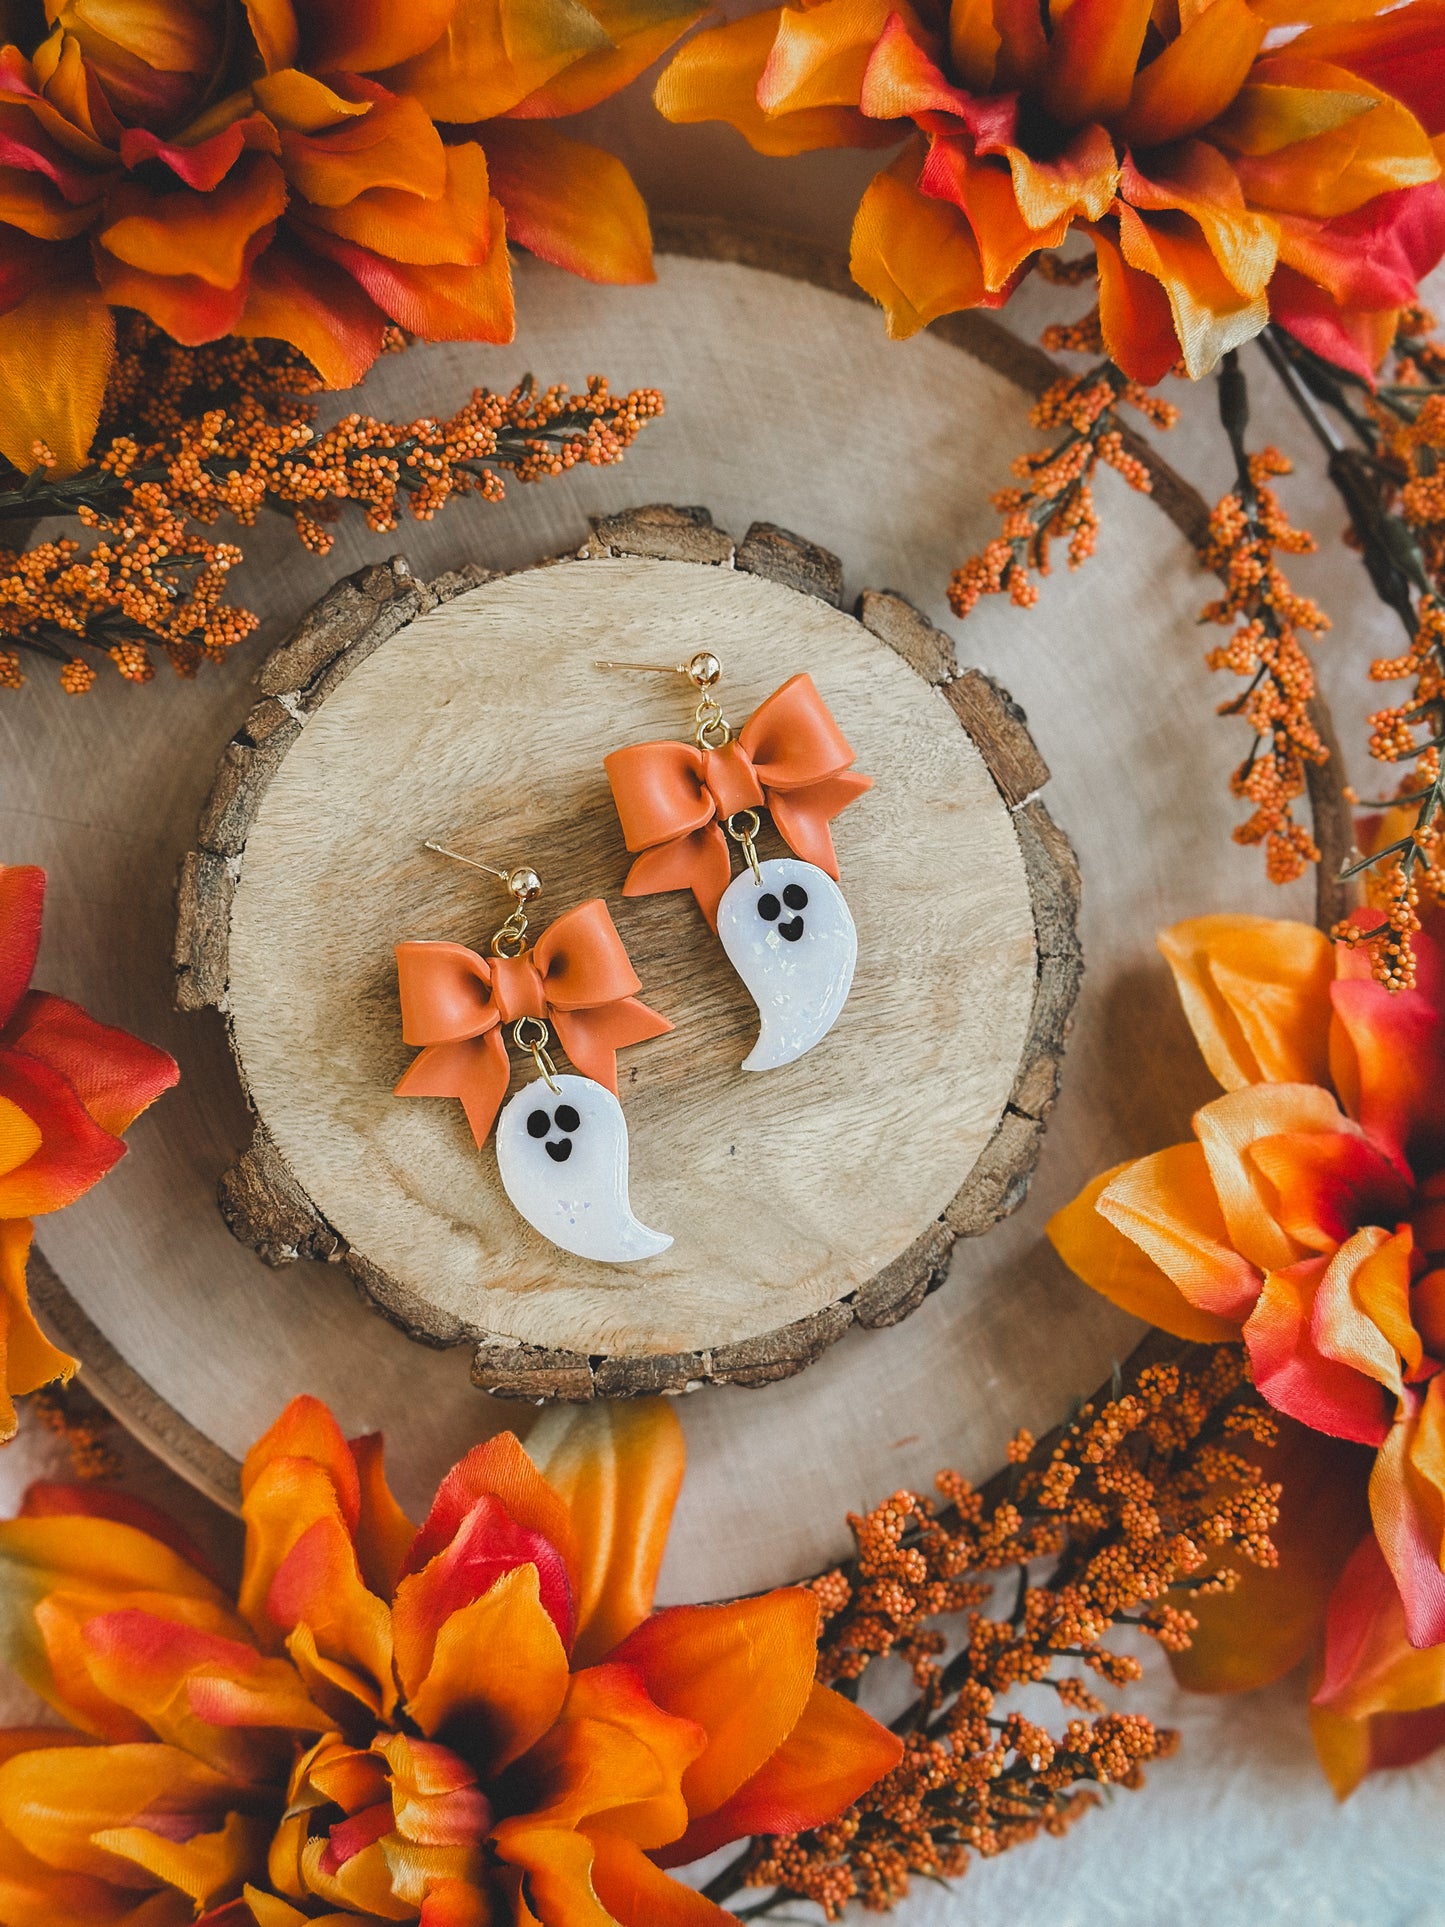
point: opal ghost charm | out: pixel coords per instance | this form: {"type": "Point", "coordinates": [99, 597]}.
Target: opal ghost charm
{"type": "Point", "coordinates": [562, 1154]}
{"type": "Point", "coordinates": [783, 923]}
{"type": "Point", "coordinates": [789, 935]}
{"type": "Point", "coordinates": [562, 1146]}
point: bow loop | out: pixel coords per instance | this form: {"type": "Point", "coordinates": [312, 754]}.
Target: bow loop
{"type": "Point", "coordinates": [446, 993]}
{"type": "Point", "coordinates": [792, 738]}
{"type": "Point", "coordinates": [673, 798]}
{"type": "Point", "coordinates": [454, 1003]}
{"type": "Point", "coordinates": [582, 960]}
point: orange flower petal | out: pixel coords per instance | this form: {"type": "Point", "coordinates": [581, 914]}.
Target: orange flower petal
{"type": "Point", "coordinates": [1400, 53]}
{"type": "Point", "coordinates": [202, 1866]}
{"type": "Point", "coordinates": [618, 1469]}
{"type": "Point", "coordinates": [392, 145]}
{"type": "Point", "coordinates": [497, 1672]}
{"type": "Point", "coordinates": [183, 232]}
{"type": "Point", "coordinates": [834, 1753]}
{"type": "Point", "coordinates": [1195, 77]}
{"type": "Point", "coordinates": [1339, 170]}
{"type": "Point", "coordinates": [1134, 314]}
{"type": "Point", "coordinates": [301, 104]}
{"type": "Point", "coordinates": [570, 203]}
{"type": "Point", "coordinates": [90, 1559]}
{"type": "Point", "coordinates": [715, 77]}
{"type": "Point", "coordinates": [1388, 1054]}
{"type": "Point", "coordinates": [613, 1760]}
{"type": "Point", "coordinates": [55, 356]}
{"type": "Point", "coordinates": [1407, 1504]}
{"type": "Point", "coordinates": [115, 1075]}
{"type": "Point", "coordinates": [1229, 1127]}
{"type": "Point", "coordinates": [487, 1546]}
{"type": "Point", "coordinates": [1294, 1374]}
{"type": "Point", "coordinates": [497, 52]}
{"type": "Point", "coordinates": [296, 298]}
{"type": "Point", "coordinates": [1210, 315]}
{"type": "Point", "coordinates": [440, 304]}
{"type": "Point", "coordinates": [28, 1360]}
{"type": "Point", "coordinates": [819, 53]}
{"type": "Point", "coordinates": [384, 1535]}
{"type": "Point", "coordinates": [1093, 52]}
{"type": "Point", "coordinates": [454, 228]}
{"type": "Point", "coordinates": [637, 1893]}
{"type": "Point", "coordinates": [1167, 1203]}
{"type": "Point", "coordinates": [1256, 992]}
{"type": "Point", "coordinates": [319, 1585]}
{"type": "Point", "coordinates": [1111, 1263]}
{"type": "Point", "coordinates": [56, 1801]}
{"type": "Point", "coordinates": [499, 1468]}
{"type": "Point", "coordinates": [274, 29]}
{"type": "Point", "coordinates": [984, 191]}
{"type": "Point", "coordinates": [22, 904]}
{"type": "Point", "coordinates": [362, 36]}
{"type": "Point", "coordinates": [1198, 181]}
{"type": "Point", "coordinates": [1260, 1631]}
{"type": "Point", "coordinates": [916, 256]}
{"type": "Point", "coordinates": [34, 1895]}
{"type": "Point", "coordinates": [742, 1672]}
{"type": "Point", "coordinates": [1325, 1184]}
{"type": "Point", "coordinates": [641, 30]}
{"type": "Point", "coordinates": [1362, 1311]}
{"type": "Point", "coordinates": [199, 1690]}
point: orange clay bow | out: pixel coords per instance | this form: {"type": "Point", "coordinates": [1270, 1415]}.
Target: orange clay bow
{"type": "Point", "coordinates": [576, 977]}
{"type": "Point", "coordinates": [673, 798]}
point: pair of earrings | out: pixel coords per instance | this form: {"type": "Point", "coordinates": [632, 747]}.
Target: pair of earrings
{"type": "Point", "coordinates": [562, 1145]}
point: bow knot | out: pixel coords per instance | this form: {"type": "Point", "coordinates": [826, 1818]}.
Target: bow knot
{"type": "Point", "coordinates": [674, 798]}
{"type": "Point", "coordinates": [455, 1004]}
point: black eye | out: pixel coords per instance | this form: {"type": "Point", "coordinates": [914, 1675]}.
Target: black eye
{"type": "Point", "coordinates": [538, 1124]}
{"type": "Point", "coordinates": [768, 906]}
{"type": "Point", "coordinates": [796, 897]}
{"type": "Point", "coordinates": [567, 1118]}
{"type": "Point", "coordinates": [791, 931]}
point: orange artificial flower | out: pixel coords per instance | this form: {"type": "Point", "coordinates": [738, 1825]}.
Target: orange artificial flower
{"type": "Point", "coordinates": [475, 1724]}
{"type": "Point", "coordinates": [1307, 1216]}
{"type": "Point", "coordinates": [1227, 166]}
{"type": "Point", "coordinates": [311, 170]}
{"type": "Point", "coordinates": [69, 1087]}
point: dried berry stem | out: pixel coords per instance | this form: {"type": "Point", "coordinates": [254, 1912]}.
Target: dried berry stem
{"type": "Point", "coordinates": [1111, 1521]}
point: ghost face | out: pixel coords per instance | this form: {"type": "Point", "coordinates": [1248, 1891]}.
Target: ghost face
{"type": "Point", "coordinates": [790, 937]}
{"type": "Point", "coordinates": [563, 1160]}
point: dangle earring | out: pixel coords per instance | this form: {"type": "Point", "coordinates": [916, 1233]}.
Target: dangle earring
{"type": "Point", "coordinates": [783, 922]}
{"type": "Point", "coordinates": [562, 1148]}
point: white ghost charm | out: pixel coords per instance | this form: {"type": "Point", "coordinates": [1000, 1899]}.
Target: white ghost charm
{"type": "Point", "coordinates": [789, 935]}
{"type": "Point", "coordinates": [563, 1159]}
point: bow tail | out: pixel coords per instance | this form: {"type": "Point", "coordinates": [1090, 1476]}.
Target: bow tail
{"type": "Point", "coordinates": [476, 1070]}
{"type": "Point", "coordinates": [802, 816]}
{"type": "Point", "coordinates": [698, 862]}
{"type": "Point", "coordinates": [592, 1038]}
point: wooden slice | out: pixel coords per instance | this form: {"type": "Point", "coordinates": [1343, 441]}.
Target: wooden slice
{"type": "Point", "coordinates": [802, 1200]}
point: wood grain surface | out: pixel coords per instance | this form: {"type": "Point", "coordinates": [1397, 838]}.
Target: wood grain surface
{"type": "Point", "coordinates": [472, 710]}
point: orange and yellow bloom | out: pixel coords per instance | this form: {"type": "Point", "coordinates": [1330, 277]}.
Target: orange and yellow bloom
{"type": "Point", "coordinates": [1307, 1217]}
{"type": "Point", "coordinates": [477, 1723]}
{"type": "Point", "coordinates": [69, 1087]}
{"type": "Point", "coordinates": [1231, 160]}
{"type": "Point", "coordinates": [311, 170]}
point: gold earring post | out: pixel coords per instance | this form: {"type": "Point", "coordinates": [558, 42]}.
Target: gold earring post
{"type": "Point", "coordinates": [523, 882]}
{"type": "Point", "coordinates": [703, 669]}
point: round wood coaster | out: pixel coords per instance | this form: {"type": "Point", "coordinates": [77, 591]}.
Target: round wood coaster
{"type": "Point", "coordinates": [472, 710]}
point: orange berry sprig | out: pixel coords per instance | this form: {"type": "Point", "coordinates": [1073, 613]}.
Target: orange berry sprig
{"type": "Point", "coordinates": [1056, 496]}
{"type": "Point", "coordinates": [1127, 1511]}
{"type": "Point", "coordinates": [1393, 485]}
{"type": "Point", "coordinates": [1246, 531]}
{"type": "Point", "coordinates": [188, 435]}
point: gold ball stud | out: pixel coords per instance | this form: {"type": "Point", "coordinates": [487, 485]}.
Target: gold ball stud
{"type": "Point", "coordinates": [704, 669]}
{"type": "Point", "coordinates": [524, 884]}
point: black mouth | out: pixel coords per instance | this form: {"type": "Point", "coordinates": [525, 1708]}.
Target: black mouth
{"type": "Point", "coordinates": [561, 1152]}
